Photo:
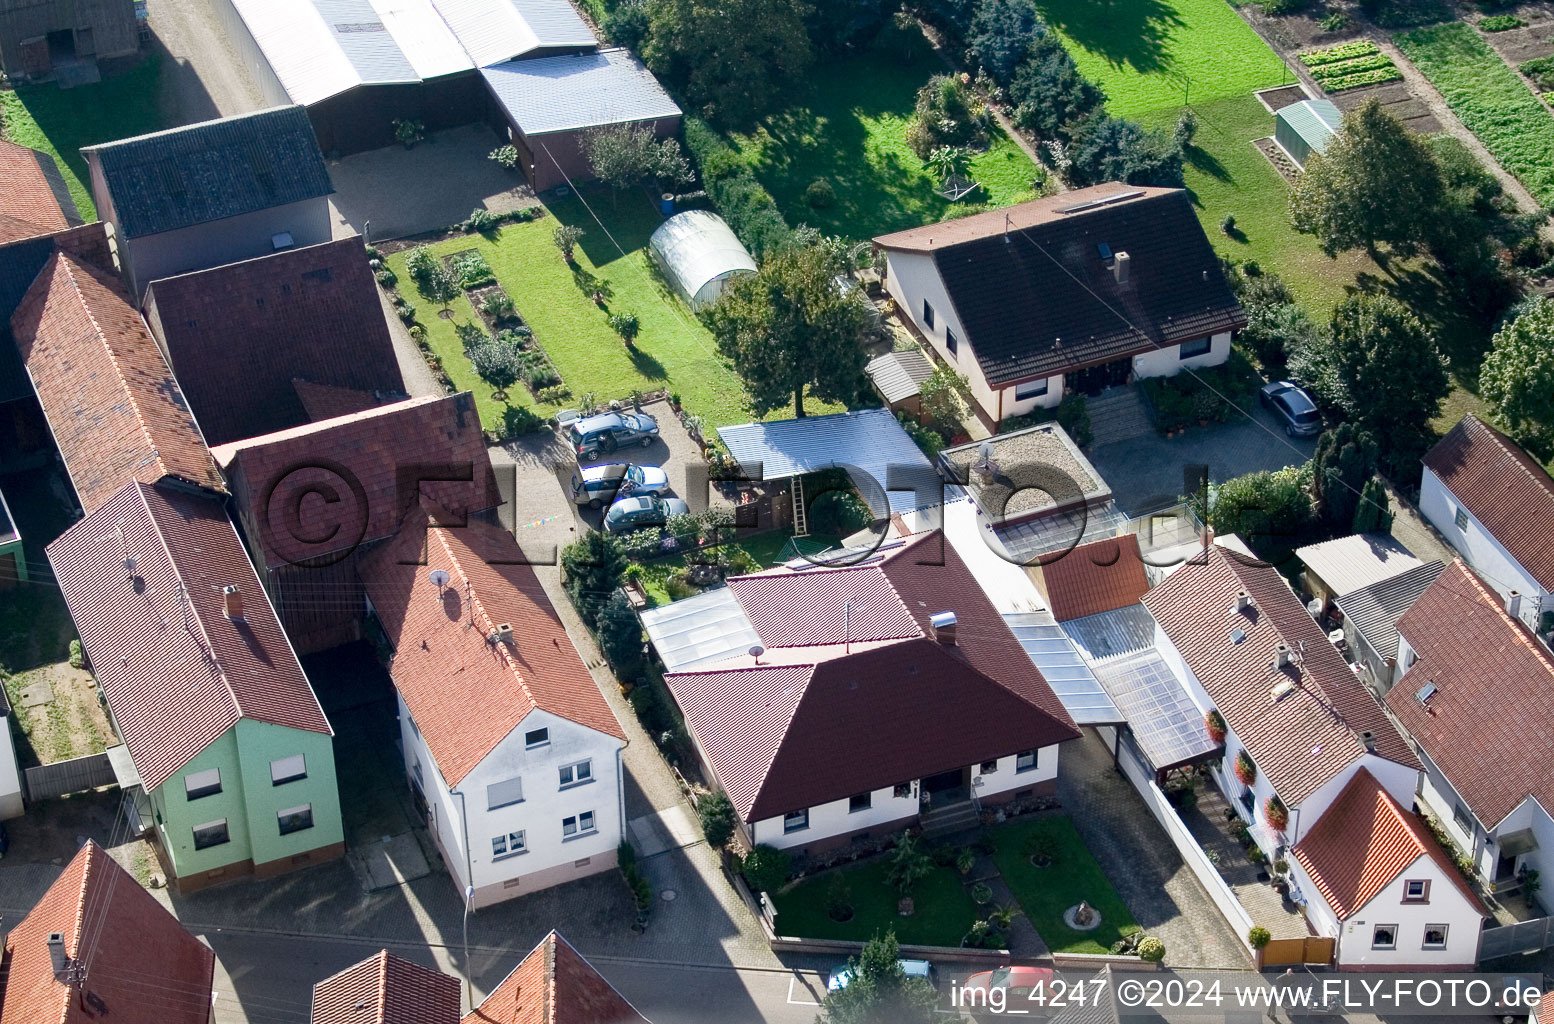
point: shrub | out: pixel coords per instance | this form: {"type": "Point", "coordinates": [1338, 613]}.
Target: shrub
{"type": "Point", "coordinates": [839, 898]}
{"type": "Point", "coordinates": [766, 868]}
{"type": "Point", "coordinates": [910, 865]}
{"type": "Point", "coordinates": [749, 209]}
{"type": "Point", "coordinates": [421, 264]}
{"type": "Point", "coordinates": [506, 156]}
{"type": "Point", "coordinates": [820, 195]}
{"type": "Point", "coordinates": [620, 635]}
{"type": "Point", "coordinates": [1000, 36]}
{"type": "Point", "coordinates": [77, 655]}
{"type": "Point", "coordinates": [1151, 950]}
{"type": "Point", "coordinates": [1500, 23]}
{"type": "Point", "coordinates": [482, 221]}
{"type": "Point", "coordinates": [498, 365]}
{"type": "Point", "coordinates": [1541, 71]}
{"type": "Point", "coordinates": [1040, 847]}
{"type": "Point", "coordinates": [566, 237]}
{"type": "Point", "coordinates": [1186, 129]}
{"type": "Point", "coordinates": [1279, 8]}
{"type": "Point", "coordinates": [470, 335]}
{"type": "Point", "coordinates": [472, 270]}
{"type": "Point", "coordinates": [554, 395]}
{"type": "Point", "coordinates": [948, 113]}
{"type": "Point", "coordinates": [839, 513]}
{"type": "Point", "coordinates": [651, 710]}
{"type": "Point", "coordinates": [1335, 21]}
{"type": "Point", "coordinates": [965, 860]}
{"type": "Point", "coordinates": [1228, 225]}
{"type": "Point", "coordinates": [626, 325]}
{"type": "Point", "coordinates": [1258, 937]}
{"type": "Point", "coordinates": [520, 419]}
{"type": "Point", "coordinates": [717, 818]}
{"type": "Point", "coordinates": [627, 24]}
{"type": "Point", "coordinates": [386, 277]}
{"type": "Point", "coordinates": [498, 306]}
{"type": "Point", "coordinates": [409, 132]}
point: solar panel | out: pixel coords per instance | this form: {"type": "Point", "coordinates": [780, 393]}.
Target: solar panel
{"type": "Point", "coordinates": [1065, 670]}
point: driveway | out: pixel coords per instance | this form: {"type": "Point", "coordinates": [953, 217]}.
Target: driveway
{"type": "Point", "coordinates": [1146, 473]}
{"type": "Point", "coordinates": [403, 192]}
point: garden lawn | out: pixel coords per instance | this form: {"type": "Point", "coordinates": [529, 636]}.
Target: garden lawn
{"type": "Point", "coordinates": [1491, 99]}
{"type": "Point", "coordinates": [60, 121]}
{"type": "Point", "coordinates": [1228, 175]}
{"type": "Point", "coordinates": [942, 916]}
{"type": "Point", "coordinates": [673, 351]}
{"type": "Point", "coordinates": [851, 131]}
{"type": "Point", "coordinates": [1151, 54]}
{"type": "Point", "coordinates": [1045, 893]}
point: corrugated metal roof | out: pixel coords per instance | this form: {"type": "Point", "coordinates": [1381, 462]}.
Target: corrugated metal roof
{"type": "Point", "coordinates": [300, 48]}
{"type": "Point", "coordinates": [1064, 669]}
{"type": "Point", "coordinates": [699, 630]}
{"type": "Point", "coordinates": [426, 40]}
{"type": "Point", "coordinates": [493, 31]}
{"type": "Point", "coordinates": [1313, 120]}
{"type": "Point", "coordinates": [555, 94]}
{"type": "Point", "coordinates": [1374, 611]}
{"type": "Point", "coordinates": [1358, 560]}
{"type": "Point", "coordinates": [899, 375]}
{"type": "Point", "coordinates": [365, 41]}
{"type": "Point", "coordinates": [869, 443]}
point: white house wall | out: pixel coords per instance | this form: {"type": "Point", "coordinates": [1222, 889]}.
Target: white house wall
{"type": "Point", "coordinates": [1400, 782]}
{"type": "Point", "coordinates": [1528, 814]}
{"type": "Point", "coordinates": [1446, 905]}
{"type": "Point", "coordinates": [1167, 362]}
{"type": "Point", "coordinates": [1479, 548]}
{"type": "Point", "coordinates": [10, 775]}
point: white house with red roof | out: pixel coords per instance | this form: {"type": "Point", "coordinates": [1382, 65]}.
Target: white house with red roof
{"type": "Point", "coordinates": [507, 740]}
{"type": "Point", "coordinates": [1476, 694]}
{"type": "Point", "coordinates": [1378, 882]}
{"type": "Point", "coordinates": [874, 695]}
{"type": "Point", "coordinates": [1231, 627]}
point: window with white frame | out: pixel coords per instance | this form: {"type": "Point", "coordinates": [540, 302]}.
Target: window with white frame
{"type": "Point", "coordinates": [1027, 761]}
{"type": "Point", "coordinates": [1416, 890]}
{"type": "Point", "coordinates": [288, 769]}
{"type": "Point", "coordinates": [211, 833]}
{"type": "Point", "coordinates": [795, 821]}
{"type": "Point", "coordinates": [577, 824]}
{"type": "Point", "coordinates": [1384, 936]}
{"type": "Point", "coordinates": [860, 802]}
{"type": "Point", "coordinates": [295, 819]}
{"type": "Point", "coordinates": [504, 793]}
{"type": "Point", "coordinates": [1030, 389]}
{"type": "Point", "coordinates": [577, 773]}
{"type": "Point", "coordinates": [507, 844]}
{"type": "Point", "coordinates": [1435, 936]}
{"type": "Point", "coordinates": [202, 784]}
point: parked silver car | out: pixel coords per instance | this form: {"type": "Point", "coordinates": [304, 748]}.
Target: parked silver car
{"type": "Point", "coordinates": [1294, 405]}
{"type": "Point", "coordinates": [597, 486]}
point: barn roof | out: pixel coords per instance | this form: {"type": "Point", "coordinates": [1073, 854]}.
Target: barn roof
{"type": "Point", "coordinates": [556, 94]}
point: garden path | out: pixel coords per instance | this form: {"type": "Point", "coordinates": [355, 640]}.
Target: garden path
{"type": "Point", "coordinates": [1023, 938]}
{"type": "Point", "coordinates": [1282, 918]}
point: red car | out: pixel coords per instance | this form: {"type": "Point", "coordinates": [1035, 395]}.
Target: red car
{"type": "Point", "coordinates": [1006, 990]}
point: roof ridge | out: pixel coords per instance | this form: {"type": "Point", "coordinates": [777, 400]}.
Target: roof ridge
{"type": "Point", "coordinates": [71, 265]}
{"type": "Point", "coordinates": [477, 605]}
{"type": "Point", "coordinates": [550, 977]}
{"type": "Point", "coordinates": [382, 959]}
{"type": "Point", "coordinates": [1516, 626]}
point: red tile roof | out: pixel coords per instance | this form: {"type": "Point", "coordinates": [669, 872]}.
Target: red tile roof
{"type": "Point", "coordinates": [1363, 842]}
{"type": "Point", "coordinates": [142, 967]}
{"type": "Point", "coordinates": [116, 411]}
{"type": "Point", "coordinates": [28, 205]}
{"type": "Point", "coordinates": [312, 313]}
{"type": "Point", "coordinates": [465, 693]}
{"type": "Point", "coordinates": [157, 635]}
{"type": "Point", "coordinates": [1314, 731]}
{"type": "Point", "coordinates": [359, 459]}
{"type": "Point", "coordinates": [1101, 576]}
{"type": "Point", "coordinates": [821, 722]}
{"type": "Point", "coordinates": [1494, 691]}
{"type": "Point", "coordinates": [811, 606]}
{"type": "Point", "coordinates": [1504, 488]}
{"type": "Point", "coordinates": [554, 985]}
{"type": "Point", "coordinates": [384, 989]}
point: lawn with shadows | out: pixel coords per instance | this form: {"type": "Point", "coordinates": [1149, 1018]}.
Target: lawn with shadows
{"type": "Point", "coordinates": [1045, 893]}
{"type": "Point", "coordinates": [1153, 54]}
{"type": "Point", "coordinates": [60, 121]}
{"type": "Point", "coordinates": [673, 350]}
{"type": "Point", "coordinates": [942, 915]}
{"type": "Point", "coordinates": [851, 131]}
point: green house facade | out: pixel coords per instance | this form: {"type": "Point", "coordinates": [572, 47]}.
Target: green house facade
{"type": "Point", "coordinates": [227, 755]}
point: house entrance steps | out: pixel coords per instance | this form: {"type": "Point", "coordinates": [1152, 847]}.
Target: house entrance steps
{"type": "Point", "coordinates": [956, 817]}
{"type": "Point", "coordinates": [1118, 414]}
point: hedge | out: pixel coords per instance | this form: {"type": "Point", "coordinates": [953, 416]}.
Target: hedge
{"type": "Point", "coordinates": [743, 201]}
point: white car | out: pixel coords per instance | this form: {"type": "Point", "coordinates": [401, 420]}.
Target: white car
{"type": "Point", "coordinates": [597, 486]}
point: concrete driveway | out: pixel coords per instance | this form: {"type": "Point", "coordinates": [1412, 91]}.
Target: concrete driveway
{"type": "Point", "coordinates": [1146, 473]}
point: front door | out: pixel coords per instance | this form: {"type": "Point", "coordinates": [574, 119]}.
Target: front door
{"type": "Point", "coordinates": [947, 787]}
{"type": "Point", "coordinates": [1092, 380]}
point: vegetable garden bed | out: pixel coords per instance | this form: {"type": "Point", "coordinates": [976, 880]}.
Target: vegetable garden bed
{"type": "Point", "coordinates": [1350, 65]}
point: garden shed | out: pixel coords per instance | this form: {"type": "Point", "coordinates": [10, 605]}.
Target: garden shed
{"type": "Point", "coordinates": [700, 255]}
{"type": "Point", "coordinates": [1306, 127]}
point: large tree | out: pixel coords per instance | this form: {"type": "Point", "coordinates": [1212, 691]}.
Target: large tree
{"type": "Point", "coordinates": [1107, 148]}
{"type": "Point", "coordinates": [622, 155]}
{"type": "Point", "coordinates": [1048, 91]}
{"type": "Point", "coordinates": [736, 59]}
{"type": "Point", "coordinates": [1392, 375]}
{"type": "Point", "coordinates": [1376, 183]}
{"type": "Point", "coordinates": [1344, 461]}
{"type": "Point", "coordinates": [879, 992]}
{"type": "Point", "coordinates": [1001, 33]}
{"type": "Point", "coordinates": [793, 325]}
{"type": "Point", "coordinates": [1517, 377]}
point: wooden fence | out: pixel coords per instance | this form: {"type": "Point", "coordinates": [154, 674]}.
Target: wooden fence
{"type": "Point", "coordinates": [79, 773]}
{"type": "Point", "coordinates": [1312, 949]}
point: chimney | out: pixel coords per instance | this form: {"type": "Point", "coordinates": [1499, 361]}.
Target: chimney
{"type": "Point", "coordinates": [232, 602]}
{"type": "Point", "coordinates": [504, 633]}
{"type": "Point", "coordinates": [1120, 266]}
{"type": "Point", "coordinates": [1513, 604]}
{"type": "Point", "coordinates": [57, 955]}
{"type": "Point", "coordinates": [1282, 656]}
{"type": "Point", "coordinates": [943, 624]}
{"type": "Point", "coordinates": [1243, 601]}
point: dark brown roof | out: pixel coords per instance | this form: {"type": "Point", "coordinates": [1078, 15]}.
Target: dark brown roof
{"type": "Point", "coordinates": [311, 314]}
{"type": "Point", "coordinates": [384, 989]}
{"type": "Point", "coordinates": [465, 693]}
{"type": "Point", "coordinates": [554, 985]}
{"type": "Point", "coordinates": [143, 968]}
{"type": "Point", "coordinates": [29, 202]}
{"type": "Point", "coordinates": [367, 460]}
{"type": "Point", "coordinates": [809, 724]}
{"type": "Point", "coordinates": [1313, 732]}
{"type": "Point", "coordinates": [1101, 576]}
{"type": "Point", "coordinates": [1505, 489]}
{"type": "Point", "coordinates": [1363, 842]}
{"type": "Point", "coordinates": [1043, 299]}
{"type": "Point", "coordinates": [157, 635]}
{"type": "Point", "coordinates": [1489, 725]}
{"type": "Point", "coordinates": [116, 412]}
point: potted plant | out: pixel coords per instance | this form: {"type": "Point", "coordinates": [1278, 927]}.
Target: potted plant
{"type": "Point", "coordinates": [1258, 937]}
{"type": "Point", "coordinates": [981, 893]}
{"type": "Point", "coordinates": [1214, 722]}
{"type": "Point", "coordinates": [409, 132]}
{"type": "Point", "coordinates": [965, 860]}
{"type": "Point", "coordinates": [626, 325]}
{"type": "Point", "coordinates": [1245, 769]}
{"type": "Point", "coordinates": [1277, 814]}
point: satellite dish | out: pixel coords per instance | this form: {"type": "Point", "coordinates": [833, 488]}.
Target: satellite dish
{"type": "Point", "coordinates": [756, 651]}
{"type": "Point", "coordinates": [985, 466]}
{"type": "Point", "coordinates": [439, 577]}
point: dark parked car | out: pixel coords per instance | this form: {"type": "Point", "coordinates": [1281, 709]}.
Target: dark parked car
{"type": "Point", "coordinates": [635, 513]}
{"type": "Point", "coordinates": [609, 431]}
{"type": "Point", "coordinates": [1292, 404]}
